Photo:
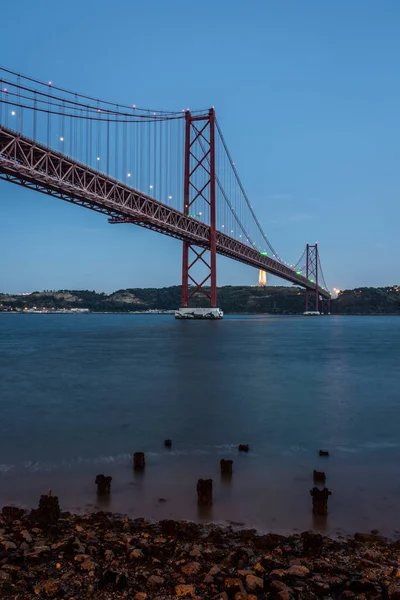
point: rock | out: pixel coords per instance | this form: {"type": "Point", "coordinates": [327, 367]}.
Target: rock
{"type": "Point", "coordinates": [88, 565]}
{"type": "Point", "coordinates": [139, 461]}
{"type": "Point", "coordinates": [113, 577]}
{"type": "Point", "coordinates": [298, 571]}
{"type": "Point", "coordinates": [254, 583]}
{"type": "Point", "coordinates": [234, 584]}
{"type": "Point", "coordinates": [241, 596]}
{"type": "Point", "coordinates": [12, 513]}
{"type": "Point", "coordinates": [168, 443]}
{"type": "Point", "coordinates": [368, 538]}
{"type": "Point", "coordinates": [283, 591]}
{"type": "Point", "coordinates": [192, 568]}
{"type": "Point", "coordinates": [9, 545]}
{"type": "Point", "coordinates": [140, 596]}
{"type": "Point", "coordinates": [319, 476]}
{"type": "Point", "coordinates": [321, 588]}
{"type": "Point", "coordinates": [393, 591]}
{"type": "Point", "coordinates": [323, 453]}
{"type": "Point", "coordinates": [279, 573]}
{"type": "Point", "coordinates": [312, 543]}
{"type": "Point", "coordinates": [155, 580]}
{"type": "Point", "coordinates": [4, 577]}
{"type": "Point", "coordinates": [204, 492]}
{"type": "Point", "coordinates": [26, 535]}
{"type": "Point", "coordinates": [136, 554]}
{"type": "Point", "coordinates": [183, 590]}
{"type": "Point", "coordinates": [226, 466]}
{"type": "Point", "coordinates": [168, 527]}
{"type": "Point", "coordinates": [268, 541]}
{"type": "Point", "coordinates": [214, 571]}
{"type": "Point", "coordinates": [103, 483]}
{"type": "Point", "coordinates": [243, 447]}
{"type": "Point", "coordinates": [50, 587]}
{"type": "Point", "coordinates": [320, 501]}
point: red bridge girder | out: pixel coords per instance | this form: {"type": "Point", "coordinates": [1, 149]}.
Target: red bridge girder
{"type": "Point", "coordinates": [32, 165]}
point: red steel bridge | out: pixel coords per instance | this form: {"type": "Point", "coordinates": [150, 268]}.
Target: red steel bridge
{"type": "Point", "coordinates": [170, 172]}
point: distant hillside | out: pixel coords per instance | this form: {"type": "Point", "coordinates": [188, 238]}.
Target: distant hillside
{"type": "Point", "coordinates": [232, 299]}
{"type": "Point", "coordinates": [368, 300]}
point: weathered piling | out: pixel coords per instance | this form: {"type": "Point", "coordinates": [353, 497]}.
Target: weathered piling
{"type": "Point", "coordinates": [226, 466]}
{"type": "Point", "coordinates": [138, 461]}
{"type": "Point", "coordinates": [320, 501]}
{"type": "Point", "coordinates": [103, 483]}
{"type": "Point", "coordinates": [204, 492]}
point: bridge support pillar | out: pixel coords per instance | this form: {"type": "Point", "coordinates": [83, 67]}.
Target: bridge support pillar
{"type": "Point", "coordinates": [312, 261]}
{"type": "Point", "coordinates": [199, 264]}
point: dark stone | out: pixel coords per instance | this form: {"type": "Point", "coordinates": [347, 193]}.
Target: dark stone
{"type": "Point", "coordinates": [319, 476]}
{"type": "Point", "coordinates": [320, 501]}
{"type": "Point", "coordinates": [268, 541]}
{"type": "Point", "coordinates": [12, 513]}
{"type": "Point", "coordinates": [188, 531]}
{"type": "Point", "coordinates": [168, 527]}
{"type": "Point", "coordinates": [369, 538]}
{"type": "Point", "coordinates": [204, 492]}
{"type": "Point", "coordinates": [113, 579]}
{"type": "Point", "coordinates": [138, 461]}
{"type": "Point", "coordinates": [49, 509]}
{"type": "Point", "coordinates": [323, 453]}
{"type": "Point", "coordinates": [168, 443]}
{"type": "Point", "coordinates": [103, 483]}
{"type": "Point", "coordinates": [243, 447]}
{"type": "Point", "coordinates": [312, 543]}
{"type": "Point", "coordinates": [226, 466]}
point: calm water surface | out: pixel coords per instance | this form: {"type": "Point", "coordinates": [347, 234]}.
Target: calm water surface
{"type": "Point", "coordinates": [80, 393]}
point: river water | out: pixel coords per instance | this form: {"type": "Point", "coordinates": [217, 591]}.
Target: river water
{"type": "Point", "coordinates": [80, 393]}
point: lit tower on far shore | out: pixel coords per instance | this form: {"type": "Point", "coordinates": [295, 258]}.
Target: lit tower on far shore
{"type": "Point", "coordinates": [262, 278]}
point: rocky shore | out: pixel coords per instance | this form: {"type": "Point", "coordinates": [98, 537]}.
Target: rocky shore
{"type": "Point", "coordinates": [50, 554]}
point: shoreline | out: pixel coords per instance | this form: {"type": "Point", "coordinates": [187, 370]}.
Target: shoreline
{"type": "Point", "coordinates": [172, 312]}
{"type": "Point", "coordinates": [51, 554]}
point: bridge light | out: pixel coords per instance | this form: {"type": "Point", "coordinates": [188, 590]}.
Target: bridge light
{"type": "Point", "coordinates": [13, 113]}
{"type": "Point", "coordinates": [151, 187]}
{"type": "Point", "coordinates": [50, 83]}
{"type": "Point", "coordinates": [5, 90]}
{"type": "Point", "coordinates": [222, 226]}
{"type": "Point", "coordinates": [61, 139]}
{"type": "Point", "coordinates": [169, 197]}
{"type": "Point", "coordinates": [98, 158]}
{"type": "Point", "coordinates": [129, 174]}
{"type": "Point", "coordinates": [298, 272]}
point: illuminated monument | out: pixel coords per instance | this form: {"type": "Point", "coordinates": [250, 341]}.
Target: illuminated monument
{"type": "Point", "coordinates": [262, 278]}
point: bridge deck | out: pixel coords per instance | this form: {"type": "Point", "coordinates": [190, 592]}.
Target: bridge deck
{"type": "Point", "coordinates": [32, 165]}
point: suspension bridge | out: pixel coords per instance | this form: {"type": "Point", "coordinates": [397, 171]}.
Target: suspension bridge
{"type": "Point", "coordinates": [170, 172]}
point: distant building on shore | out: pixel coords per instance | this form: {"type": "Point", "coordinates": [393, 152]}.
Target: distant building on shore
{"type": "Point", "coordinates": [262, 278]}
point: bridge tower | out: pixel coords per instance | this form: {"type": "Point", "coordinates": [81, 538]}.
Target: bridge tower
{"type": "Point", "coordinates": [312, 261]}
{"type": "Point", "coordinates": [199, 184]}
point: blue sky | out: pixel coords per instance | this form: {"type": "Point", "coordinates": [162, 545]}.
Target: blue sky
{"type": "Point", "coordinates": [307, 94]}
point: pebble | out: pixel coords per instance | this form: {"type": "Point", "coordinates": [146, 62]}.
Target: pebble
{"type": "Point", "coordinates": [191, 568]}
{"type": "Point", "coordinates": [155, 580]}
{"type": "Point", "coordinates": [254, 583]}
{"type": "Point", "coordinates": [298, 571]}
{"type": "Point", "coordinates": [184, 590]}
